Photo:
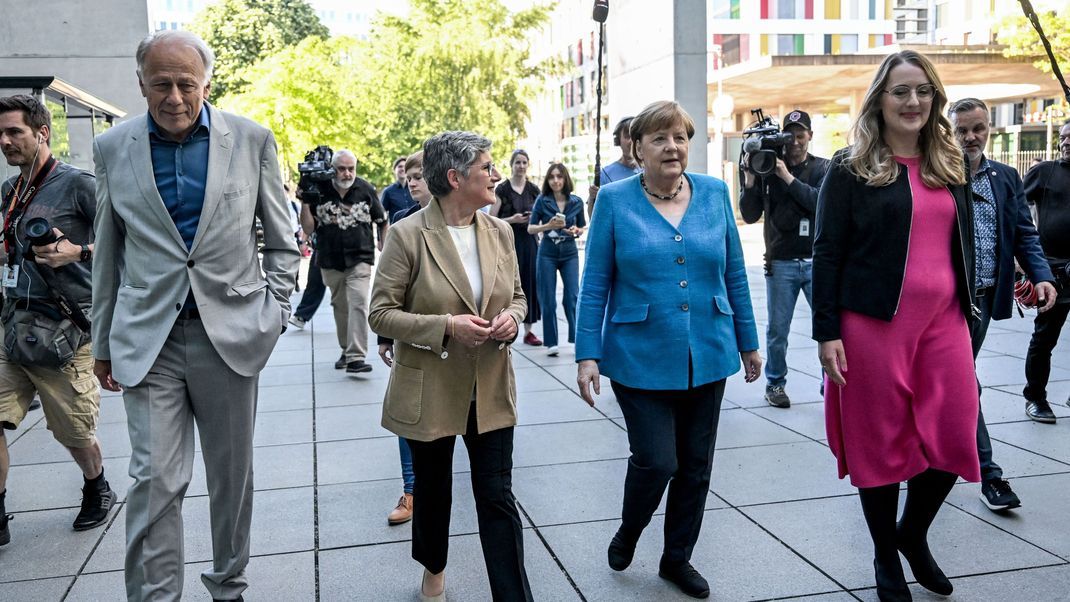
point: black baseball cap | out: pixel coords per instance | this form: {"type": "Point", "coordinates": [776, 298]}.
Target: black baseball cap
{"type": "Point", "coordinates": [797, 117]}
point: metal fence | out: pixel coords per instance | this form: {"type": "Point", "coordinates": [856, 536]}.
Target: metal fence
{"type": "Point", "coordinates": [1021, 160]}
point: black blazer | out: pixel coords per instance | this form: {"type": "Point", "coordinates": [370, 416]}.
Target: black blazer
{"type": "Point", "coordinates": [860, 247]}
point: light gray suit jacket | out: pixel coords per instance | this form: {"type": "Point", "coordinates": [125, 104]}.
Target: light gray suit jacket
{"type": "Point", "coordinates": [142, 270]}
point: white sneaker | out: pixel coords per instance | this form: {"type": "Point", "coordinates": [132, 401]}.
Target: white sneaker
{"type": "Point", "coordinates": [297, 322]}
{"type": "Point", "coordinates": [551, 351]}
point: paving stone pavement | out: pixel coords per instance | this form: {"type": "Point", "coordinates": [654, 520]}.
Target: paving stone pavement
{"type": "Point", "coordinates": [778, 524]}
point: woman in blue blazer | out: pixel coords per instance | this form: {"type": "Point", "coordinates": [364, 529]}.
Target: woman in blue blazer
{"type": "Point", "coordinates": [665, 313]}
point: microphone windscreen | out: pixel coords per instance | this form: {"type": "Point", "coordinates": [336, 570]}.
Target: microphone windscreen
{"type": "Point", "coordinates": [752, 144]}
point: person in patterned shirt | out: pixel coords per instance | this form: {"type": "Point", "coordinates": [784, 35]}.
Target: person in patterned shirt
{"type": "Point", "coordinates": [344, 215]}
{"type": "Point", "coordinates": [1003, 232]}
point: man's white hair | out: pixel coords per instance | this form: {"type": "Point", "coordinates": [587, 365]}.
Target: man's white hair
{"type": "Point", "coordinates": [342, 152]}
{"type": "Point", "coordinates": [191, 39]}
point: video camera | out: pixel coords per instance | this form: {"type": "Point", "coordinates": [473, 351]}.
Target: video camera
{"type": "Point", "coordinates": [764, 143]}
{"type": "Point", "coordinates": [314, 169]}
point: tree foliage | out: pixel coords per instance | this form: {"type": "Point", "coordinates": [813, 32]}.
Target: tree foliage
{"type": "Point", "coordinates": [1022, 40]}
{"type": "Point", "coordinates": [445, 66]}
{"type": "Point", "coordinates": [242, 32]}
{"type": "Point", "coordinates": [298, 94]}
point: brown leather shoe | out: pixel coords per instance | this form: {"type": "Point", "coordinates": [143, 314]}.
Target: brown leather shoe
{"type": "Point", "coordinates": [403, 512]}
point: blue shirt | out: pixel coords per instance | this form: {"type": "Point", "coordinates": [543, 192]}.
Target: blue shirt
{"type": "Point", "coordinates": [181, 171]}
{"type": "Point", "coordinates": [985, 227]}
{"type": "Point", "coordinates": [396, 198]}
{"type": "Point", "coordinates": [616, 171]}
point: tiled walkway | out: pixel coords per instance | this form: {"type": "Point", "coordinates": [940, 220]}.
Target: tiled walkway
{"type": "Point", "coordinates": [778, 523]}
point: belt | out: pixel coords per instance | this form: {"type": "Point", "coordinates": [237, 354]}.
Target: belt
{"type": "Point", "coordinates": [981, 292]}
{"type": "Point", "coordinates": [191, 313]}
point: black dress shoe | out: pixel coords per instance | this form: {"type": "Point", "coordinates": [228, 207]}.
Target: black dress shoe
{"type": "Point", "coordinates": [1040, 411]}
{"type": "Point", "coordinates": [891, 584]}
{"type": "Point", "coordinates": [358, 366]}
{"type": "Point", "coordinates": [238, 599]}
{"type": "Point", "coordinates": [621, 550]}
{"type": "Point", "coordinates": [685, 577]}
{"type": "Point", "coordinates": [925, 569]}
{"type": "Point", "coordinates": [341, 363]}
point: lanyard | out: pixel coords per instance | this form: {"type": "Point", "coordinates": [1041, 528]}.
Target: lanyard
{"type": "Point", "coordinates": [16, 206]}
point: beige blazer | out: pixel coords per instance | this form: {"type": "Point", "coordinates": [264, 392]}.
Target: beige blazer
{"type": "Point", "coordinates": [142, 270]}
{"type": "Point", "coordinates": [420, 279]}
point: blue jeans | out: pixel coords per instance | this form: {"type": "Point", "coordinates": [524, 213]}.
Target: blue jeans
{"type": "Point", "coordinates": [782, 291]}
{"type": "Point", "coordinates": [407, 475]}
{"type": "Point", "coordinates": [989, 469]}
{"type": "Point", "coordinates": [553, 258]}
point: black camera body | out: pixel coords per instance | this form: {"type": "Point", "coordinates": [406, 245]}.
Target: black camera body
{"type": "Point", "coordinates": [316, 168]}
{"type": "Point", "coordinates": [764, 143]}
{"type": "Point", "coordinates": [40, 233]}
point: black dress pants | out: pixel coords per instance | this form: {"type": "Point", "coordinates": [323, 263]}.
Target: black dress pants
{"type": "Point", "coordinates": [500, 531]}
{"type": "Point", "coordinates": [1046, 329]}
{"type": "Point", "coordinates": [671, 435]}
{"type": "Point", "coordinates": [314, 291]}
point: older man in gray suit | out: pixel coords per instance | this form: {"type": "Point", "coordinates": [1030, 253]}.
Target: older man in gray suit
{"type": "Point", "coordinates": [184, 315]}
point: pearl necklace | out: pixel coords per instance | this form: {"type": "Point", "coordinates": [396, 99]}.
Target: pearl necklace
{"type": "Point", "coordinates": [661, 197]}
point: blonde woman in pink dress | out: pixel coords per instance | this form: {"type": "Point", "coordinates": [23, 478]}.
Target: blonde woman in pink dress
{"type": "Point", "coordinates": [893, 296]}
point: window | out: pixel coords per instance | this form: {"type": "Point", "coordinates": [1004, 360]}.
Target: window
{"type": "Point", "coordinates": [580, 90]}
{"type": "Point", "coordinates": [792, 44]}
{"type": "Point", "coordinates": [848, 44]}
{"type": "Point", "coordinates": [724, 9]}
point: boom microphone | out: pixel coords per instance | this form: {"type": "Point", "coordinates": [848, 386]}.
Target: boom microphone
{"type": "Point", "coordinates": [601, 10]}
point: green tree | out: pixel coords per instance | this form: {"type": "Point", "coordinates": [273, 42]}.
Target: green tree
{"type": "Point", "coordinates": [242, 32]}
{"type": "Point", "coordinates": [1022, 40]}
{"type": "Point", "coordinates": [444, 66]}
{"type": "Point", "coordinates": [297, 93]}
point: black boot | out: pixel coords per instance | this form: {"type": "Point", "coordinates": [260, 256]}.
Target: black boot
{"type": "Point", "coordinates": [925, 495]}
{"type": "Point", "coordinates": [622, 549]}
{"type": "Point", "coordinates": [879, 505]}
{"type": "Point", "coordinates": [5, 532]}
{"type": "Point", "coordinates": [97, 501]}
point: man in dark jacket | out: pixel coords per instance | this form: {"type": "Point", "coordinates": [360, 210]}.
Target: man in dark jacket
{"type": "Point", "coordinates": [1003, 232]}
{"type": "Point", "coordinates": [788, 199]}
{"type": "Point", "coordinates": [1047, 186]}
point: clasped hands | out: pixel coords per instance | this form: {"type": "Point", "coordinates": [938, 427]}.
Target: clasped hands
{"type": "Point", "coordinates": [472, 330]}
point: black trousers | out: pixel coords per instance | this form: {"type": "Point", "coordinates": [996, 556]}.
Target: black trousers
{"type": "Point", "coordinates": [500, 531]}
{"type": "Point", "coordinates": [671, 435]}
{"type": "Point", "coordinates": [1046, 329]}
{"type": "Point", "coordinates": [314, 291]}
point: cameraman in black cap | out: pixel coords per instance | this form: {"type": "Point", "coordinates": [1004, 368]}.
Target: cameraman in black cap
{"type": "Point", "coordinates": [48, 208]}
{"type": "Point", "coordinates": [788, 199]}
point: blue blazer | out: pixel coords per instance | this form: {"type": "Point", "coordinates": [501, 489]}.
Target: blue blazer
{"type": "Point", "coordinates": [654, 296]}
{"type": "Point", "coordinates": [1016, 237]}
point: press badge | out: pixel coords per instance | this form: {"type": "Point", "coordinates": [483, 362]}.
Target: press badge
{"type": "Point", "coordinates": [11, 276]}
{"type": "Point", "coordinates": [804, 227]}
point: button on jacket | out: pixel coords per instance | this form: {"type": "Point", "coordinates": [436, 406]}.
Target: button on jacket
{"type": "Point", "coordinates": [655, 297]}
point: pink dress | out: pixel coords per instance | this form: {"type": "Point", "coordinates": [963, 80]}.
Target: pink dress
{"type": "Point", "coordinates": [910, 402]}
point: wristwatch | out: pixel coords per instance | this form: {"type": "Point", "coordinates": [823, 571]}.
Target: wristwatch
{"type": "Point", "coordinates": [87, 254]}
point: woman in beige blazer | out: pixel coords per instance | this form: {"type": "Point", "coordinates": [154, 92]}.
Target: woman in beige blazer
{"type": "Point", "coordinates": [448, 292]}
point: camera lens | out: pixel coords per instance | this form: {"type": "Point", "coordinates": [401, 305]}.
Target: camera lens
{"type": "Point", "coordinates": [39, 231]}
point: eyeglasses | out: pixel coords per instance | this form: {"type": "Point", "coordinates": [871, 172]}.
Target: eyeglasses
{"type": "Point", "coordinates": [924, 92]}
{"type": "Point", "coordinates": [488, 167]}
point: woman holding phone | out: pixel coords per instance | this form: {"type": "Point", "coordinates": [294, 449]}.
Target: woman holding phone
{"type": "Point", "coordinates": [515, 200]}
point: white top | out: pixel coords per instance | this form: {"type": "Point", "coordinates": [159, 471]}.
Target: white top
{"type": "Point", "coordinates": [464, 238]}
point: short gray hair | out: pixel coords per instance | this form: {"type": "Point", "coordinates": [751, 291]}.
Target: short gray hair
{"type": "Point", "coordinates": [966, 105]}
{"type": "Point", "coordinates": [191, 39]}
{"type": "Point", "coordinates": [450, 150]}
{"type": "Point", "coordinates": [342, 152]}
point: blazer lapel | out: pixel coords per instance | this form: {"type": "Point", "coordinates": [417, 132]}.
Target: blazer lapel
{"type": "Point", "coordinates": [444, 252]}
{"type": "Point", "coordinates": [141, 165]}
{"type": "Point", "coordinates": [487, 237]}
{"type": "Point", "coordinates": [219, 151]}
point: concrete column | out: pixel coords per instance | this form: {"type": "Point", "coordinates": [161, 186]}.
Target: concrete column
{"type": "Point", "coordinates": [689, 66]}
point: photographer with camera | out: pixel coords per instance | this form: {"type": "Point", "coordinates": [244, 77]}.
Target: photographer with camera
{"type": "Point", "coordinates": [343, 208]}
{"type": "Point", "coordinates": [47, 292]}
{"type": "Point", "coordinates": [780, 180]}
{"type": "Point", "coordinates": [1047, 186]}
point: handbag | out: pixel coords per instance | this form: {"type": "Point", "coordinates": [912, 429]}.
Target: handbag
{"type": "Point", "coordinates": [32, 338]}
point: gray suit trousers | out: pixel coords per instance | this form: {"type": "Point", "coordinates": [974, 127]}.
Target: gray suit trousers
{"type": "Point", "coordinates": [188, 383]}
